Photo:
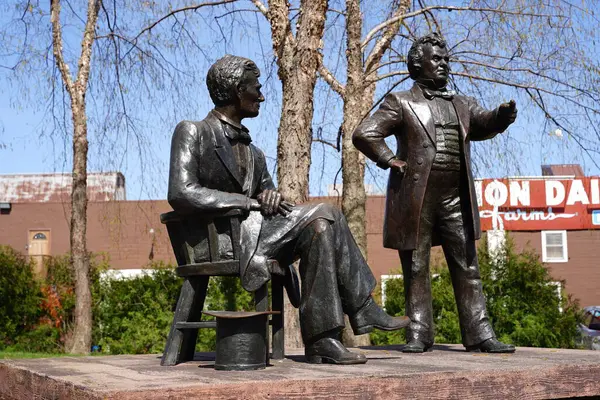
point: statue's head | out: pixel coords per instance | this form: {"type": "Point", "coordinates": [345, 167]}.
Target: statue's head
{"type": "Point", "coordinates": [233, 81]}
{"type": "Point", "coordinates": [428, 60]}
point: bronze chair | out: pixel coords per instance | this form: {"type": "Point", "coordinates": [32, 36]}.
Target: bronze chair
{"type": "Point", "coordinates": [188, 233]}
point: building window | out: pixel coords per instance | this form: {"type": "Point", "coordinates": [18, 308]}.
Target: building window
{"type": "Point", "coordinates": [39, 236]}
{"type": "Point", "coordinates": [554, 246]}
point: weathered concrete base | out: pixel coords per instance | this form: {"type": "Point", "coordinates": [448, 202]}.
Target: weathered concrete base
{"type": "Point", "coordinates": [447, 372]}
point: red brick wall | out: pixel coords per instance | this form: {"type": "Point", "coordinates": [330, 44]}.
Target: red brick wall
{"type": "Point", "coordinates": [581, 272]}
{"type": "Point", "coordinates": [122, 230]}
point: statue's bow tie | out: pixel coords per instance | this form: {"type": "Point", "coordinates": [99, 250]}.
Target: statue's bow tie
{"type": "Point", "coordinates": [239, 135]}
{"type": "Point", "coordinates": [444, 94]}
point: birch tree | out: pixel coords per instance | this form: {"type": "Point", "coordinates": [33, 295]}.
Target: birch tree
{"type": "Point", "coordinates": [129, 63]}
{"type": "Point", "coordinates": [76, 88]}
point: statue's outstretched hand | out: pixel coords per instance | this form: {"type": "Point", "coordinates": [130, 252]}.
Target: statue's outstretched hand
{"type": "Point", "coordinates": [507, 112]}
{"type": "Point", "coordinates": [271, 202]}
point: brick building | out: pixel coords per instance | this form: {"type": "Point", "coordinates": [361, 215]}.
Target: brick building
{"type": "Point", "coordinates": [558, 216]}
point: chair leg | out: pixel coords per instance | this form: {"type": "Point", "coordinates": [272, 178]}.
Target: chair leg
{"type": "Point", "coordinates": [181, 344]}
{"type": "Point", "coordinates": [261, 303]}
{"type": "Point", "coordinates": [278, 319]}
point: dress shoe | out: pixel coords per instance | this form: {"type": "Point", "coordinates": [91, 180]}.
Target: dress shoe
{"type": "Point", "coordinates": [370, 316]}
{"type": "Point", "coordinates": [492, 345]}
{"type": "Point", "coordinates": [332, 351]}
{"type": "Point", "coordinates": [416, 346]}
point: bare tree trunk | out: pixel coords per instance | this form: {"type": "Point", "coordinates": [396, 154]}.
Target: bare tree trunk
{"type": "Point", "coordinates": [80, 341]}
{"type": "Point", "coordinates": [82, 331]}
{"type": "Point", "coordinates": [297, 61]}
{"type": "Point", "coordinates": [358, 97]}
{"type": "Point", "coordinates": [295, 138]}
{"type": "Point", "coordinates": [353, 162]}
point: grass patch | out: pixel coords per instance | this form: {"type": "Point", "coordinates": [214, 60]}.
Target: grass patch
{"type": "Point", "coordinates": [21, 354]}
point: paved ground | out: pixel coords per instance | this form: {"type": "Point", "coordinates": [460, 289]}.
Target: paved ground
{"type": "Point", "coordinates": [447, 372]}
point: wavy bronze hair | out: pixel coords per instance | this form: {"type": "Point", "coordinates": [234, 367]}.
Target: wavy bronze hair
{"type": "Point", "coordinates": [226, 75]}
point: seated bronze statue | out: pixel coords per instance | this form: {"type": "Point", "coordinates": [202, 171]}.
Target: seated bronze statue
{"type": "Point", "coordinates": [215, 167]}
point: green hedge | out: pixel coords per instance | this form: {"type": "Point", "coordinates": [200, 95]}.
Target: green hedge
{"type": "Point", "coordinates": [522, 302]}
{"type": "Point", "coordinates": [131, 316]}
{"type": "Point", "coordinates": [134, 315]}
{"type": "Point", "coordinates": [20, 296]}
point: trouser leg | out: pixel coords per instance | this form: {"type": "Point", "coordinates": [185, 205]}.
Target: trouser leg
{"type": "Point", "coordinates": [320, 304]}
{"type": "Point", "coordinates": [417, 282]}
{"type": "Point", "coordinates": [355, 279]}
{"type": "Point", "coordinates": [461, 256]}
{"type": "Point", "coordinates": [335, 277]}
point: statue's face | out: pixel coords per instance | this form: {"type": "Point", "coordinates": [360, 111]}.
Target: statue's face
{"type": "Point", "coordinates": [434, 65]}
{"type": "Point", "coordinates": [250, 96]}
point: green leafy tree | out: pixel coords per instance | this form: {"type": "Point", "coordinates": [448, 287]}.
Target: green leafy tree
{"type": "Point", "coordinates": [522, 299]}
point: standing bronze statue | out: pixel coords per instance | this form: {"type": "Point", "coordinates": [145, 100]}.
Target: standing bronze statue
{"type": "Point", "coordinates": [215, 167]}
{"type": "Point", "coordinates": [431, 197]}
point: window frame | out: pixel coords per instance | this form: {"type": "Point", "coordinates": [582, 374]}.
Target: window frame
{"type": "Point", "coordinates": [565, 247]}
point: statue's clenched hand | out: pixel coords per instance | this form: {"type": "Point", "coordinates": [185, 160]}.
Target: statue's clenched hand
{"type": "Point", "coordinates": [271, 202]}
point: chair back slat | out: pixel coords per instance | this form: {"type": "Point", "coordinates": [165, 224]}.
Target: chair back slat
{"type": "Point", "coordinates": [213, 241]}
{"type": "Point", "coordinates": [235, 237]}
{"type": "Point", "coordinates": [188, 231]}
{"type": "Point", "coordinates": [180, 247]}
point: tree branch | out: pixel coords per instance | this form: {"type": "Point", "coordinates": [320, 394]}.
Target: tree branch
{"type": "Point", "coordinates": [325, 142]}
{"type": "Point", "coordinates": [523, 86]}
{"type": "Point", "coordinates": [448, 8]}
{"type": "Point", "coordinates": [87, 42]}
{"type": "Point", "coordinates": [542, 107]}
{"type": "Point", "coordinates": [179, 10]}
{"type": "Point", "coordinates": [532, 72]}
{"type": "Point", "coordinates": [388, 75]}
{"type": "Point", "coordinates": [236, 11]}
{"type": "Point", "coordinates": [261, 7]}
{"type": "Point", "coordinates": [385, 40]}
{"type": "Point", "coordinates": [57, 48]}
{"type": "Point", "coordinates": [330, 79]}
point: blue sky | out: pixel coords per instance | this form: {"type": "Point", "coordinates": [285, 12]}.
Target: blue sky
{"type": "Point", "coordinates": [30, 148]}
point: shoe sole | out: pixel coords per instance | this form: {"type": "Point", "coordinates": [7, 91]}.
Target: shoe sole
{"type": "Point", "coordinates": [417, 351]}
{"type": "Point", "coordinates": [508, 351]}
{"type": "Point", "coordinates": [369, 328]}
{"type": "Point", "coordinates": [315, 359]}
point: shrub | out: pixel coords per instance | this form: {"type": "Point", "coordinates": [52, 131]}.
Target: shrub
{"type": "Point", "coordinates": [130, 316]}
{"type": "Point", "coordinates": [20, 296]}
{"type": "Point", "coordinates": [522, 302]}
{"type": "Point", "coordinates": [133, 316]}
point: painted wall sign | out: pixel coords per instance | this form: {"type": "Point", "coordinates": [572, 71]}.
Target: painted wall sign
{"type": "Point", "coordinates": [543, 203]}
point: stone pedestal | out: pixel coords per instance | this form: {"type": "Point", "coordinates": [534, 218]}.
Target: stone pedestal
{"type": "Point", "coordinates": [447, 372]}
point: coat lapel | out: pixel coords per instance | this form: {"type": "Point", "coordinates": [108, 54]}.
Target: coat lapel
{"type": "Point", "coordinates": [224, 150]}
{"type": "Point", "coordinates": [423, 112]}
{"type": "Point", "coordinates": [462, 111]}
